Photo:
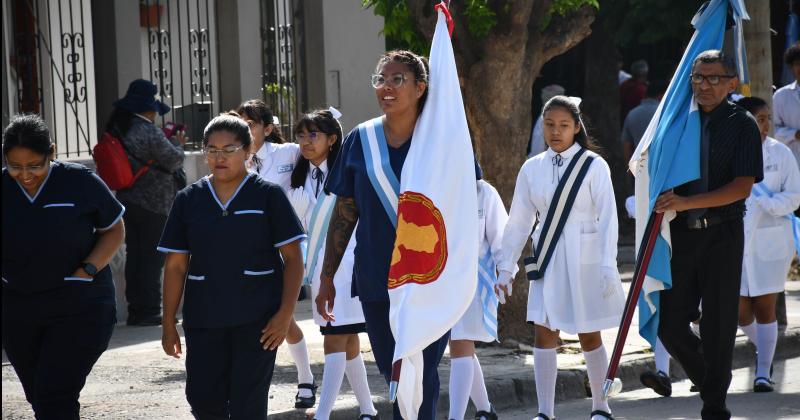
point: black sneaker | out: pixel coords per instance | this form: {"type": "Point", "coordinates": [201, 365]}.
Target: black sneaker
{"type": "Point", "coordinates": [694, 388]}
{"type": "Point", "coordinates": [658, 382]}
{"type": "Point", "coordinates": [305, 402]}
{"type": "Point", "coordinates": [144, 321]}
{"type": "Point", "coordinates": [486, 415]}
{"type": "Point", "coordinates": [762, 384]}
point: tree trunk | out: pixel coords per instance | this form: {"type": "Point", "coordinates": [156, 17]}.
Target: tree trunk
{"type": "Point", "coordinates": [759, 49]}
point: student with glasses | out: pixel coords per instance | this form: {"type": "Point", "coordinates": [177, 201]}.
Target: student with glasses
{"type": "Point", "coordinates": [61, 228]}
{"type": "Point", "coordinates": [708, 236]}
{"type": "Point", "coordinates": [239, 295]}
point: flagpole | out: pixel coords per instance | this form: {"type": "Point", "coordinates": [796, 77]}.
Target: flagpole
{"type": "Point", "coordinates": [395, 380]}
{"type": "Point", "coordinates": [640, 271]}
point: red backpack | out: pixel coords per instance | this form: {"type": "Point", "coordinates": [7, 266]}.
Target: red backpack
{"type": "Point", "coordinates": [113, 165]}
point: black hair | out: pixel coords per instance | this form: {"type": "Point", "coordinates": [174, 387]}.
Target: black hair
{"type": "Point", "coordinates": [656, 88]}
{"type": "Point", "coordinates": [321, 120]}
{"type": "Point", "coordinates": [230, 124]}
{"type": "Point", "coordinates": [752, 104]}
{"type": "Point", "coordinates": [28, 131]}
{"type": "Point", "coordinates": [792, 54]}
{"type": "Point", "coordinates": [416, 63]}
{"type": "Point", "coordinates": [717, 56]}
{"type": "Point", "coordinates": [257, 110]}
{"type": "Point", "coordinates": [582, 137]}
{"type": "Point", "coordinates": [119, 122]}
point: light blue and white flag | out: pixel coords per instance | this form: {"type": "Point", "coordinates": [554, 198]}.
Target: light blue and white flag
{"type": "Point", "coordinates": [669, 153]}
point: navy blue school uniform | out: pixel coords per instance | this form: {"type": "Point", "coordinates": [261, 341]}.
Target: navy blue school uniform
{"type": "Point", "coordinates": [375, 236]}
{"type": "Point", "coordinates": [233, 287]}
{"type": "Point", "coordinates": [56, 326]}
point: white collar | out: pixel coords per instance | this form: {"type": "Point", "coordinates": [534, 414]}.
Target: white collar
{"type": "Point", "coordinates": [322, 166]}
{"type": "Point", "coordinates": [266, 149]}
{"type": "Point", "coordinates": [566, 154]}
{"type": "Point", "coordinates": [793, 85]}
{"type": "Point", "coordinates": [144, 118]}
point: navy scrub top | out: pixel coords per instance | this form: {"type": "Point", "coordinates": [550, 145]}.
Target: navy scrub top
{"type": "Point", "coordinates": [375, 233]}
{"type": "Point", "coordinates": [235, 269]}
{"type": "Point", "coordinates": [48, 236]}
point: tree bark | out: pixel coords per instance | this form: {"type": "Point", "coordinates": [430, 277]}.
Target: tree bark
{"type": "Point", "coordinates": [759, 49]}
{"type": "Point", "coordinates": [497, 74]}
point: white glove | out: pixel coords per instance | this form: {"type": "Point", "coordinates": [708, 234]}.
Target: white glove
{"type": "Point", "coordinates": [611, 280]}
{"type": "Point", "coordinates": [504, 286]}
{"type": "Point", "coordinates": [299, 201]}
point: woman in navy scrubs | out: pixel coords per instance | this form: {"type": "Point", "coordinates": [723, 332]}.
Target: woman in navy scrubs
{"type": "Point", "coordinates": [233, 243]}
{"type": "Point", "coordinates": [401, 87]}
{"type": "Point", "coordinates": [61, 227]}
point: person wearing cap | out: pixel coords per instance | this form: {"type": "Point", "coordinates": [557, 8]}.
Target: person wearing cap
{"type": "Point", "coordinates": [633, 90]}
{"type": "Point", "coordinates": [149, 199]}
{"type": "Point", "coordinates": [537, 144]}
{"type": "Point", "coordinates": [272, 157]}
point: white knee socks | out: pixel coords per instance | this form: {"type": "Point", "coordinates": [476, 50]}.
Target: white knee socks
{"type": "Point", "coordinates": [299, 353]}
{"type": "Point", "coordinates": [751, 332]}
{"type": "Point", "coordinates": [596, 366]}
{"type": "Point", "coordinates": [461, 373]}
{"type": "Point", "coordinates": [331, 382]}
{"type": "Point", "coordinates": [357, 376]}
{"type": "Point", "coordinates": [662, 357]}
{"type": "Point", "coordinates": [478, 393]}
{"type": "Point", "coordinates": [766, 338]}
{"type": "Point", "coordinates": [545, 369]}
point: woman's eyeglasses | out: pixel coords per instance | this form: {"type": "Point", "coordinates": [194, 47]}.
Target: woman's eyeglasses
{"type": "Point", "coordinates": [312, 136]}
{"type": "Point", "coordinates": [215, 153]}
{"type": "Point", "coordinates": [31, 168]}
{"type": "Point", "coordinates": [395, 81]}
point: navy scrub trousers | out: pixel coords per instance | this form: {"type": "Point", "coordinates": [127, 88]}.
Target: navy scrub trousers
{"type": "Point", "coordinates": [382, 341]}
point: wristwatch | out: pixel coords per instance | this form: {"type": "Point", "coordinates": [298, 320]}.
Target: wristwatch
{"type": "Point", "coordinates": [89, 268]}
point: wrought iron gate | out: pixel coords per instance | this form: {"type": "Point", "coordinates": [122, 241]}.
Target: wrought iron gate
{"type": "Point", "coordinates": [279, 75]}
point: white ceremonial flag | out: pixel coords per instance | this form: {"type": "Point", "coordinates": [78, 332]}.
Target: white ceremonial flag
{"type": "Point", "coordinates": [434, 268]}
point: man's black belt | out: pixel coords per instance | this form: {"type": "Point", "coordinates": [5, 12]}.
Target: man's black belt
{"type": "Point", "coordinates": [710, 221]}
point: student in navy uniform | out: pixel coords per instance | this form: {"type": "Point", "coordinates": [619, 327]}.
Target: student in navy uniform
{"type": "Point", "coordinates": [61, 227]}
{"type": "Point", "coordinates": [233, 241]}
{"type": "Point", "coordinates": [400, 85]}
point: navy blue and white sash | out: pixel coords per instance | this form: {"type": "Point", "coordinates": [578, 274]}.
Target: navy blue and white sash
{"type": "Point", "coordinates": [760, 190]}
{"type": "Point", "coordinates": [557, 214]}
{"type": "Point", "coordinates": [487, 278]}
{"type": "Point", "coordinates": [379, 169]}
{"type": "Point", "coordinates": [318, 231]}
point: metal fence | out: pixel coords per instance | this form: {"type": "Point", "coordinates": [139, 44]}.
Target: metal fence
{"type": "Point", "coordinates": [182, 60]}
{"type": "Point", "coordinates": [51, 69]}
{"type": "Point", "coordinates": [279, 75]}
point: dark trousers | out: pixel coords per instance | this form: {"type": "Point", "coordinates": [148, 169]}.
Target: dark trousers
{"type": "Point", "coordinates": [381, 339]}
{"type": "Point", "coordinates": [707, 266]}
{"type": "Point", "coordinates": [228, 373]}
{"type": "Point", "coordinates": [143, 263]}
{"type": "Point", "coordinates": [52, 346]}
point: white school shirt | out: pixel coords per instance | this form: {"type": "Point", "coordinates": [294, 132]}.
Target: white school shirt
{"type": "Point", "coordinates": [347, 310]}
{"type": "Point", "coordinates": [769, 241]}
{"type": "Point", "coordinates": [492, 218]}
{"type": "Point", "coordinates": [786, 115]}
{"type": "Point", "coordinates": [277, 162]}
{"type": "Point", "coordinates": [574, 295]}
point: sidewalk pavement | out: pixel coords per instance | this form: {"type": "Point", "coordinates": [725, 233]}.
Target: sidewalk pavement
{"type": "Point", "coordinates": [135, 380]}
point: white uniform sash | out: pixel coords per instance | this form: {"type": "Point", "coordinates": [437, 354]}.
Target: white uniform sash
{"type": "Point", "coordinates": [317, 231]}
{"type": "Point", "coordinates": [379, 169]}
{"type": "Point", "coordinates": [487, 277]}
{"type": "Point", "coordinates": [557, 214]}
{"type": "Point", "coordinates": [760, 190]}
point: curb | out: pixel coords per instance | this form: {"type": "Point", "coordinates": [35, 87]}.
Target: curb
{"type": "Point", "coordinates": [518, 391]}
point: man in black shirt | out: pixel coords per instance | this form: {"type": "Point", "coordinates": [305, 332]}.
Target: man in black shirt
{"type": "Point", "coordinates": [708, 235]}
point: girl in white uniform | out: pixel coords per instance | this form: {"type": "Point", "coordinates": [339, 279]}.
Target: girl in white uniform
{"type": "Point", "coordinates": [580, 290]}
{"type": "Point", "coordinates": [479, 323]}
{"type": "Point", "coordinates": [320, 137]}
{"type": "Point", "coordinates": [274, 160]}
{"type": "Point", "coordinates": [769, 243]}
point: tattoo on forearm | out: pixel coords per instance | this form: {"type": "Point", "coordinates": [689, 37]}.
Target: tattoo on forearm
{"type": "Point", "coordinates": [340, 229]}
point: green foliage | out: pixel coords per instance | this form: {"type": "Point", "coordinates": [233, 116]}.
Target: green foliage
{"type": "Point", "coordinates": [562, 7]}
{"type": "Point", "coordinates": [480, 18]}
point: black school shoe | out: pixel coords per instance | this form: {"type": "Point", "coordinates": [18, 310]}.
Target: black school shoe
{"type": "Point", "coordinates": [369, 417]}
{"type": "Point", "coordinates": [486, 415]}
{"type": "Point", "coordinates": [543, 417]}
{"type": "Point", "coordinates": [144, 321]}
{"type": "Point", "coordinates": [605, 414]}
{"type": "Point", "coordinates": [305, 402]}
{"type": "Point", "coordinates": [762, 384]}
{"type": "Point", "coordinates": [658, 382]}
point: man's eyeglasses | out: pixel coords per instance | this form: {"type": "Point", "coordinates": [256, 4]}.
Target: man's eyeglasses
{"type": "Point", "coordinates": [32, 168]}
{"type": "Point", "coordinates": [395, 81]}
{"type": "Point", "coordinates": [712, 79]}
{"type": "Point", "coordinates": [214, 153]}
{"type": "Point", "coordinates": [312, 136]}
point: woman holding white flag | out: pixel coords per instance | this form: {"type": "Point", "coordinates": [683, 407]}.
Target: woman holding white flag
{"type": "Point", "coordinates": [576, 286]}
{"type": "Point", "coordinates": [320, 137]}
{"type": "Point", "coordinates": [768, 243]}
{"type": "Point", "coordinates": [401, 87]}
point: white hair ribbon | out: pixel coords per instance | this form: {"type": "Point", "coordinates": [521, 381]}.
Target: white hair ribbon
{"type": "Point", "coordinates": [335, 112]}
